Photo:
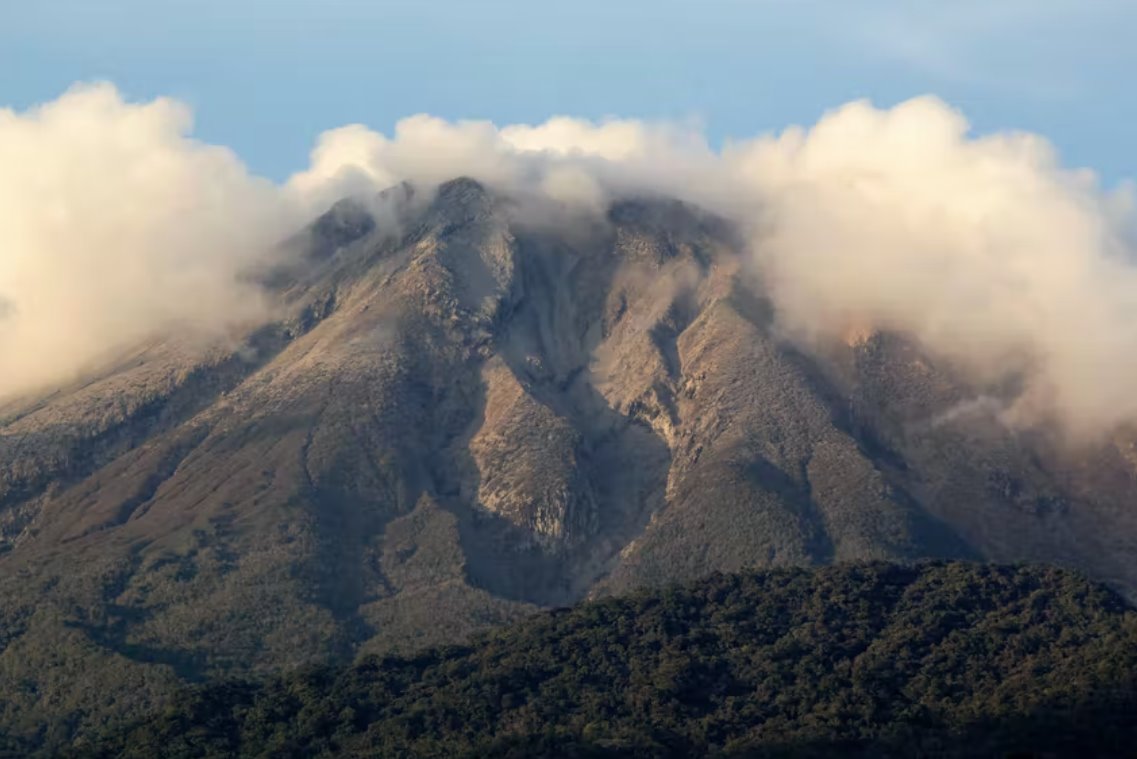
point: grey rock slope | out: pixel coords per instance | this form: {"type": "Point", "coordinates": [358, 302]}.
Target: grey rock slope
{"type": "Point", "coordinates": [458, 421]}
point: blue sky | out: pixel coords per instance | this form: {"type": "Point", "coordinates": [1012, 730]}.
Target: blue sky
{"type": "Point", "coordinates": [265, 77]}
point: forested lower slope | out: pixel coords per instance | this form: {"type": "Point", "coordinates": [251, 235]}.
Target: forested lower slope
{"type": "Point", "coordinates": [952, 659]}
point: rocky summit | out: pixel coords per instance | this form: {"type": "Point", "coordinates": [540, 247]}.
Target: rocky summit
{"type": "Point", "coordinates": [466, 411]}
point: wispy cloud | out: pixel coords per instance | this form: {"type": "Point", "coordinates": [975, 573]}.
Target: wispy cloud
{"type": "Point", "coordinates": [1021, 46]}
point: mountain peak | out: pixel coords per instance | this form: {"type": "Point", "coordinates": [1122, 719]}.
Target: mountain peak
{"type": "Point", "coordinates": [465, 193]}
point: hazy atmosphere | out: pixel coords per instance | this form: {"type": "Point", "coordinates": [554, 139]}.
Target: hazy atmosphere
{"type": "Point", "coordinates": [955, 171]}
{"type": "Point", "coordinates": [604, 378]}
{"type": "Point", "coordinates": [118, 222]}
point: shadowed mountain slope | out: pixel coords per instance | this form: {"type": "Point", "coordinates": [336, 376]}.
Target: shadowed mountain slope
{"type": "Point", "coordinates": [858, 660]}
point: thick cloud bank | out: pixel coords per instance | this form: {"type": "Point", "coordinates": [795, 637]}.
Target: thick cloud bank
{"type": "Point", "coordinates": [984, 249]}
{"type": "Point", "coordinates": [113, 224]}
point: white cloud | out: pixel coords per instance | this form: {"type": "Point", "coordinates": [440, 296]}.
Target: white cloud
{"type": "Point", "coordinates": [983, 248]}
{"type": "Point", "coordinates": [113, 224]}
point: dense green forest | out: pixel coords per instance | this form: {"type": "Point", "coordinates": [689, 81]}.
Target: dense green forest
{"type": "Point", "coordinates": [948, 659]}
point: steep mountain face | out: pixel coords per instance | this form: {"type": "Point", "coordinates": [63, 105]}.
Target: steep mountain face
{"type": "Point", "coordinates": [462, 418]}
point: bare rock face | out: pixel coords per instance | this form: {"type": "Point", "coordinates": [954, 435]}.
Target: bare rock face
{"type": "Point", "coordinates": [472, 415]}
{"type": "Point", "coordinates": [529, 468]}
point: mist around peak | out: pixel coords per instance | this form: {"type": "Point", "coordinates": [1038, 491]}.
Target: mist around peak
{"type": "Point", "coordinates": [117, 225]}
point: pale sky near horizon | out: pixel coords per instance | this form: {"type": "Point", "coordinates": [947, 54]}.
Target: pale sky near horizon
{"type": "Point", "coordinates": [265, 78]}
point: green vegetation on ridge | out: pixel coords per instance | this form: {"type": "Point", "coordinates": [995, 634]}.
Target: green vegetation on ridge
{"type": "Point", "coordinates": [871, 659]}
